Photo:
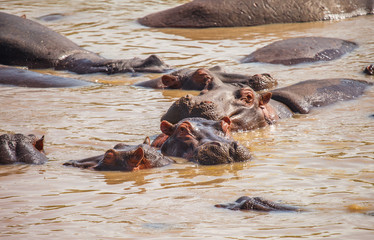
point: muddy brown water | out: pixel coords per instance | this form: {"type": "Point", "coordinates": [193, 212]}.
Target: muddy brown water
{"type": "Point", "coordinates": [323, 161]}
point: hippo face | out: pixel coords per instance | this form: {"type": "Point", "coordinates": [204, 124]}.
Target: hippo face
{"type": "Point", "coordinates": [123, 160]}
{"type": "Point", "coordinates": [246, 108]}
{"type": "Point", "coordinates": [18, 148]}
{"type": "Point", "coordinates": [201, 79]}
{"type": "Point", "coordinates": [203, 141]}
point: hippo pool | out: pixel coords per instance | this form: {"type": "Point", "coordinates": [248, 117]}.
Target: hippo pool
{"type": "Point", "coordinates": [323, 161]}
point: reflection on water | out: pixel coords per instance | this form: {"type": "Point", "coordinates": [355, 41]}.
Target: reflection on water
{"type": "Point", "coordinates": [322, 161]}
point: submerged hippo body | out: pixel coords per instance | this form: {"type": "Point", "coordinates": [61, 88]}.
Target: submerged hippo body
{"type": "Point", "coordinates": [25, 78]}
{"type": "Point", "coordinates": [369, 69]}
{"type": "Point", "coordinates": [202, 141]}
{"type": "Point", "coordinates": [301, 50]}
{"type": "Point", "coordinates": [250, 110]}
{"type": "Point", "coordinates": [27, 43]}
{"type": "Point", "coordinates": [124, 158]}
{"type": "Point", "coordinates": [257, 204]}
{"type": "Point", "coordinates": [234, 13]}
{"type": "Point", "coordinates": [206, 79]}
{"type": "Point", "coordinates": [18, 148]}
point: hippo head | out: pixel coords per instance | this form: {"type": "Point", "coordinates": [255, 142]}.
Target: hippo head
{"type": "Point", "coordinates": [206, 142]}
{"type": "Point", "coordinates": [201, 79]}
{"type": "Point", "coordinates": [129, 158]}
{"type": "Point", "coordinates": [246, 108]}
{"type": "Point", "coordinates": [21, 148]}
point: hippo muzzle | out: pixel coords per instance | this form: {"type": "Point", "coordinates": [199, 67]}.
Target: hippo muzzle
{"type": "Point", "coordinates": [212, 153]}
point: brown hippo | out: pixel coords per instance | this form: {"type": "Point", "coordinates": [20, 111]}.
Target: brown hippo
{"type": "Point", "coordinates": [25, 78]}
{"type": "Point", "coordinates": [250, 110]}
{"type": "Point", "coordinates": [257, 204]}
{"type": "Point", "coordinates": [124, 158]}
{"type": "Point", "coordinates": [301, 50]}
{"type": "Point", "coordinates": [203, 141]}
{"type": "Point", "coordinates": [369, 69]}
{"type": "Point", "coordinates": [18, 148]}
{"type": "Point", "coordinates": [207, 79]}
{"type": "Point", "coordinates": [27, 43]}
{"type": "Point", "coordinates": [234, 13]}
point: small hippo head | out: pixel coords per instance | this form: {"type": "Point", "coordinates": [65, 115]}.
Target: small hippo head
{"type": "Point", "coordinates": [130, 158]}
{"type": "Point", "coordinates": [201, 79]}
{"type": "Point", "coordinates": [206, 142]}
{"type": "Point", "coordinates": [23, 149]}
{"type": "Point", "coordinates": [246, 108]}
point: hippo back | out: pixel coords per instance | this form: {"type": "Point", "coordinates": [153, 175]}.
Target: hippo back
{"type": "Point", "coordinates": [303, 96]}
{"type": "Point", "coordinates": [25, 42]}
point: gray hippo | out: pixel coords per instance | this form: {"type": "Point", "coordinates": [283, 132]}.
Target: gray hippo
{"type": "Point", "coordinates": [234, 13]}
{"type": "Point", "coordinates": [369, 69]}
{"type": "Point", "coordinates": [24, 78]}
{"type": "Point", "coordinates": [257, 204]}
{"type": "Point", "coordinates": [250, 110]}
{"type": "Point", "coordinates": [27, 43]}
{"type": "Point", "coordinates": [124, 157]}
{"type": "Point", "coordinates": [202, 141]}
{"type": "Point", "coordinates": [207, 79]}
{"type": "Point", "coordinates": [18, 148]}
{"type": "Point", "coordinates": [301, 50]}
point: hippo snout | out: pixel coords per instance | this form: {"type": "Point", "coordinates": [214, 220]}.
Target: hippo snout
{"type": "Point", "coordinates": [213, 153]}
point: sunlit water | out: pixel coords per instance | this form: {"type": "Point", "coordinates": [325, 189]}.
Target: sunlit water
{"type": "Point", "coordinates": [323, 161]}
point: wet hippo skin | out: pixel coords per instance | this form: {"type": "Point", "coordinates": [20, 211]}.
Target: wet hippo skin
{"type": "Point", "coordinates": [301, 50]}
{"type": "Point", "coordinates": [203, 141]}
{"type": "Point", "coordinates": [207, 79]}
{"type": "Point", "coordinates": [124, 157]}
{"type": "Point", "coordinates": [257, 204]}
{"type": "Point", "coordinates": [19, 148]}
{"type": "Point", "coordinates": [27, 43]}
{"type": "Point", "coordinates": [234, 13]}
{"type": "Point", "coordinates": [25, 78]}
{"type": "Point", "coordinates": [249, 110]}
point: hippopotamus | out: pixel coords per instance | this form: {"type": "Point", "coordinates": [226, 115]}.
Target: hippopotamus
{"type": "Point", "coordinates": [18, 148]}
{"type": "Point", "coordinates": [207, 79]}
{"type": "Point", "coordinates": [250, 110]}
{"type": "Point", "coordinates": [27, 43]}
{"type": "Point", "coordinates": [369, 69]}
{"type": "Point", "coordinates": [202, 141]}
{"type": "Point", "coordinates": [235, 13]}
{"type": "Point", "coordinates": [25, 78]}
{"type": "Point", "coordinates": [123, 157]}
{"type": "Point", "coordinates": [301, 50]}
{"type": "Point", "coordinates": [257, 204]}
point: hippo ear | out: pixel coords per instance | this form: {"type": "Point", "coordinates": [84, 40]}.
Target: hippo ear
{"type": "Point", "coordinates": [147, 141]}
{"type": "Point", "coordinates": [226, 124]}
{"type": "Point", "coordinates": [110, 157]}
{"type": "Point", "coordinates": [39, 144]}
{"type": "Point", "coordinates": [265, 98]}
{"type": "Point", "coordinates": [136, 157]}
{"type": "Point", "coordinates": [167, 128]}
{"type": "Point", "coordinates": [171, 81]}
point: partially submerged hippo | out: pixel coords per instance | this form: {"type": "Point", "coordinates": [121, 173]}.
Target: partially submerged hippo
{"type": "Point", "coordinates": [250, 110]}
{"type": "Point", "coordinates": [202, 141]}
{"type": "Point", "coordinates": [25, 78]}
{"type": "Point", "coordinates": [18, 148]}
{"type": "Point", "coordinates": [27, 43]}
{"type": "Point", "coordinates": [207, 79]}
{"type": "Point", "coordinates": [369, 69]}
{"type": "Point", "coordinates": [234, 13]}
{"type": "Point", "coordinates": [301, 50]}
{"type": "Point", "coordinates": [257, 204]}
{"type": "Point", "coordinates": [124, 157]}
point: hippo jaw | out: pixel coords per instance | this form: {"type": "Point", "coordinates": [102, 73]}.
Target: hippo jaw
{"type": "Point", "coordinates": [213, 153]}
